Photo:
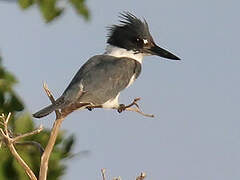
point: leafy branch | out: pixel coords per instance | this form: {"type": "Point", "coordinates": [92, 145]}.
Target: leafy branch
{"type": "Point", "coordinates": [50, 9]}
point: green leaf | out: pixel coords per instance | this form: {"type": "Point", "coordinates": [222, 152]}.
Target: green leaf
{"type": "Point", "coordinates": [49, 9]}
{"type": "Point", "coordinates": [67, 145]}
{"type": "Point", "coordinates": [1, 99]}
{"type": "Point", "coordinates": [8, 168]}
{"type": "Point", "coordinates": [23, 124]}
{"type": "Point", "coordinates": [81, 8]}
{"type": "Point", "coordinates": [10, 78]}
{"type": "Point", "coordinates": [24, 4]}
{"type": "Point", "coordinates": [16, 104]}
{"type": "Point", "coordinates": [20, 173]}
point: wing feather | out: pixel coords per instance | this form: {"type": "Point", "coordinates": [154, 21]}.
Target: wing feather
{"type": "Point", "coordinates": [101, 78]}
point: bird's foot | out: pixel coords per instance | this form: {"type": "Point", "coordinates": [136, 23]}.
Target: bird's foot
{"type": "Point", "coordinates": [89, 108]}
{"type": "Point", "coordinates": [123, 107]}
{"type": "Point", "coordinates": [129, 107]}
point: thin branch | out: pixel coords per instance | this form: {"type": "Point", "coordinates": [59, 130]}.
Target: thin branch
{"type": "Point", "coordinates": [3, 134]}
{"type": "Point", "coordinates": [2, 123]}
{"type": "Point", "coordinates": [52, 139]}
{"type": "Point", "coordinates": [117, 178]}
{"type": "Point", "coordinates": [103, 171]}
{"type": "Point", "coordinates": [36, 131]}
{"type": "Point", "coordinates": [8, 117]}
{"type": "Point", "coordinates": [48, 150]}
{"type": "Point", "coordinates": [126, 108]}
{"type": "Point", "coordinates": [50, 96]}
{"type": "Point", "coordinates": [56, 127]}
{"type": "Point", "coordinates": [142, 176]}
{"type": "Point", "coordinates": [9, 141]}
{"type": "Point", "coordinates": [5, 122]}
{"type": "Point", "coordinates": [137, 108]}
{"type": "Point", "coordinates": [21, 161]}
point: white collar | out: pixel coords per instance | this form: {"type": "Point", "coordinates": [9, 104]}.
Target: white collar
{"type": "Point", "coordinates": [121, 52]}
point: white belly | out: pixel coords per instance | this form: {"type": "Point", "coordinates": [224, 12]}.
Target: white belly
{"type": "Point", "coordinates": [111, 103]}
{"type": "Point", "coordinates": [133, 78]}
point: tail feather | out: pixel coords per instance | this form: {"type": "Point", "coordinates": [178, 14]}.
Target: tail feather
{"type": "Point", "coordinates": [45, 111]}
{"type": "Point", "coordinates": [58, 104]}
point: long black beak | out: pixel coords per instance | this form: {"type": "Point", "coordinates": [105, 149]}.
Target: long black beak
{"type": "Point", "coordinates": [156, 50]}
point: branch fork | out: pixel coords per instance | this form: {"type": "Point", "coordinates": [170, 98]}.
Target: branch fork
{"type": "Point", "coordinates": [142, 175]}
{"type": "Point", "coordinates": [9, 140]}
{"type": "Point", "coordinates": [134, 109]}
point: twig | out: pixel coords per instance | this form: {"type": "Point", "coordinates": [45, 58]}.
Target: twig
{"type": "Point", "coordinates": [9, 141]}
{"type": "Point", "coordinates": [1, 142]}
{"type": "Point", "coordinates": [36, 131]}
{"type": "Point", "coordinates": [52, 139]}
{"type": "Point", "coordinates": [126, 108]}
{"type": "Point", "coordinates": [117, 178]}
{"type": "Point", "coordinates": [103, 171]}
{"type": "Point", "coordinates": [142, 176]}
{"type": "Point", "coordinates": [50, 96]}
{"type": "Point", "coordinates": [21, 161]}
{"type": "Point", "coordinates": [137, 108]}
{"type": "Point", "coordinates": [2, 123]}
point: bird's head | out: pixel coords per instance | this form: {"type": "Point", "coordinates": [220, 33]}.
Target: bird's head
{"type": "Point", "coordinates": [133, 34]}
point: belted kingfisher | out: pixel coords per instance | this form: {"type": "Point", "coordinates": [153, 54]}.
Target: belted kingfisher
{"type": "Point", "coordinates": [100, 80]}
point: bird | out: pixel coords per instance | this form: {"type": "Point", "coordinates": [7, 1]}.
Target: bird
{"type": "Point", "coordinates": [99, 82]}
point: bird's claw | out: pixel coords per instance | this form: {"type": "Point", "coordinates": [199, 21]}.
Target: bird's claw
{"type": "Point", "coordinates": [89, 108]}
{"type": "Point", "coordinates": [121, 108]}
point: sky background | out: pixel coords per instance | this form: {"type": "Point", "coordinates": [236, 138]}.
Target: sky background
{"type": "Point", "coordinates": [196, 130]}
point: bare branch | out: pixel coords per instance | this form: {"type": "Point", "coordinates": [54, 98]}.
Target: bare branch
{"type": "Point", "coordinates": [5, 124]}
{"type": "Point", "coordinates": [3, 134]}
{"type": "Point", "coordinates": [137, 108]}
{"type": "Point", "coordinates": [10, 143]}
{"type": "Point", "coordinates": [126, 108]}
{"type": "Point", "coordinates": [48, 150]}
{"type": "Point", "coordinates": [50, 96]}
{"type": "Point", "coordinates": [52, 139]}
{"type": "Point", "coordinates": [36, 131]}
{"type": "Point", "coordinates": [142, 176]}
{"type": "Point", "coordinates": [2, 123]}
{"type": "Point", "coordinates": [8, 117]}
{"type": "Point", "coordinates": [21, 161]}
{"type": "Point", "coordinates": [9, 140]}
{"type": "Point", "coordinates": [103, 171]}
{"type": "Point", "coordinates": [117, 178]}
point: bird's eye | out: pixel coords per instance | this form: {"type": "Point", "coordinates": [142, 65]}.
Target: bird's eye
{"type": "Point", "coordinates": [141, 42]}
{"type": "Point", "coordinates": [145, 41]}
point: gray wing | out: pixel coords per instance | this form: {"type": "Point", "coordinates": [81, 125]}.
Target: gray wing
{"type": "Point", "coordinates": [101, 78]}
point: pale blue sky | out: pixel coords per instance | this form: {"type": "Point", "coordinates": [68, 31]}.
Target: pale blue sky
{"type": "Point", "coordinates": [196, 131]}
